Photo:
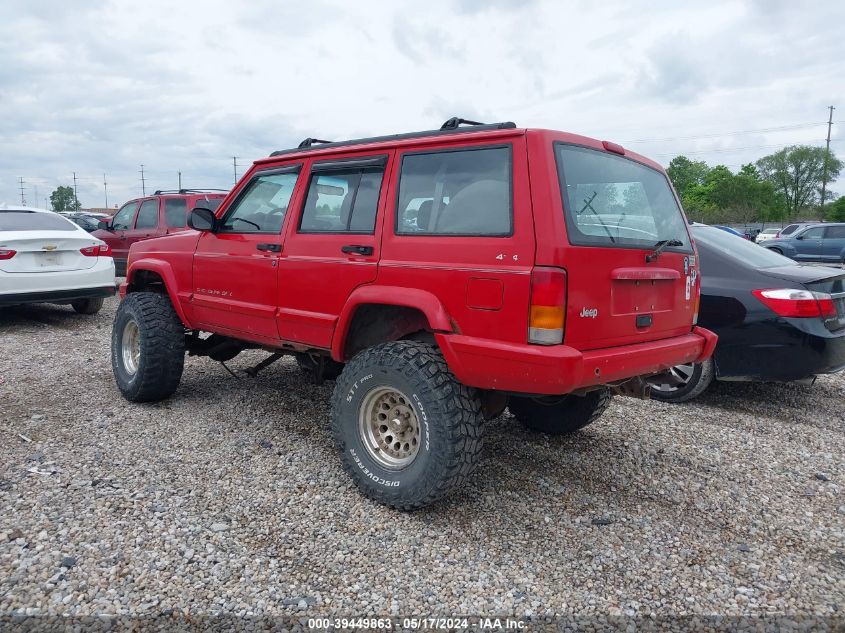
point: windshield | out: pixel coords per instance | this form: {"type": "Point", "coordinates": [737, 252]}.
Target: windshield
{"type": "Point", "coordinates": [739, 249]}
{"type": "Point", "coordinates": [34, 221]}
{"type": "Point", "coordinates": [613, 201]}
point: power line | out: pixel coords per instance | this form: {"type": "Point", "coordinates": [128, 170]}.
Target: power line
{"type": "Point", "coordinates": [780, 128]}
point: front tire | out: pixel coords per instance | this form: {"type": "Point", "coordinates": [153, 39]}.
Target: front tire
{"type": "Point", "coordinates": [561, 414]}
{"type": "Point", "coordinates": [693, 378]}
{"type": "Point", "coordinates": [148, 347]}
{"type": "Point", "coordinates": [407, 431]}
{"type": "Point", "coordinates": [87, 306]}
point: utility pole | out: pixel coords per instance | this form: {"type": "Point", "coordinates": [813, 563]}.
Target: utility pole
{"type": "Point", "coordinates": [143, 183]}
{"type": "Point", "coordinates": [826, 154]}
{"type": "Point", "coordinates": [75, 196]}
{"type": "Point", "coordinates": [106, 190]}
{"type": "Point", "coordinates": [180, 180]}
{"type": "Point", "coordinates": [23, 200]}
{"type": "Point", "coordinates": [235, 166]}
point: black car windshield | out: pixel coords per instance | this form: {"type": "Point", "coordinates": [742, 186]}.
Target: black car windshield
{"type": "Point", "coordinates": [34, 221]}
{"type": "Point", "coordinates": [738, 248]}
{"type": "Point", "coordinates": [614, 201]}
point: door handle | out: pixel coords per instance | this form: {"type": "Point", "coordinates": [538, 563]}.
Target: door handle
{"type": "Point", "coordinates": [357, 249]}
{"type": "Point", "coordinates": [270, 248]}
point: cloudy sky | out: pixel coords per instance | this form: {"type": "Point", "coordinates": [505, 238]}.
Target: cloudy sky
{"type": "Point", "coordinates": [101, 87]}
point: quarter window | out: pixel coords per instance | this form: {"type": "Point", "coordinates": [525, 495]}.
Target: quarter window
{"type": "Point", "coordinates": [342, 201]}
{"type": "Point", "coordinates": [123, 219]}
{"type": "Point", "coordinates": [147, 215]}
{"type": "Point", "coordinates": [463, 192]}
{"type": "Point", "coordinates": [262, 206]}
{"type": "Point", "coordinates": [175, 212]}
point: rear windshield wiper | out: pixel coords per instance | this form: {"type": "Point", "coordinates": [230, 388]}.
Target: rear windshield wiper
{"type": "Point", "coordinates": [661, 246]}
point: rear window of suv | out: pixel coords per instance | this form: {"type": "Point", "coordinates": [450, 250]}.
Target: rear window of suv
{"type": "Point", "coordinates": [614, 201]}
{"type": "Point", "coordinates": [34, 221]}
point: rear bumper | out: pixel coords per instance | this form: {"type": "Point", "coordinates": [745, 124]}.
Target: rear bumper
{"type": "Point", "coordinates": [56, 296]}
{"type": "Point", "coordinates": [560, 369]}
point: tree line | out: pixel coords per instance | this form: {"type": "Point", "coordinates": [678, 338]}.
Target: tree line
{"type": "Point", "coordinates": [781, 187]}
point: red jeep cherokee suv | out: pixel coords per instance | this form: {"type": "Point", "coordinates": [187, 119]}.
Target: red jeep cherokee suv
{"type": "Point", "coordinates": [440, 276]}
{"type": "Point", "coordinates": [162, 213]}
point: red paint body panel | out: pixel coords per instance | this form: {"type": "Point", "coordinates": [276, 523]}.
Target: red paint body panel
{"type": "Point", "coordinates": [473, 291]}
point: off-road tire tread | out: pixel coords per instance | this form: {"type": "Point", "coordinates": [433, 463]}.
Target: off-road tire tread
{"type": "Point", "coordinates": [162, 347]}
{"type": "Point", "coordinates": [87, 306]}
{"type": "Point", "coordinates": [458, 406]}
{"type": "Point", "coordinates": [580, 412]}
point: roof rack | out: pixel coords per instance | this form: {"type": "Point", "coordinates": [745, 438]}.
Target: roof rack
{"type": "Point", "coordinates": [159, 192]}
{"type": "Point", "coordinates": [451, 126]}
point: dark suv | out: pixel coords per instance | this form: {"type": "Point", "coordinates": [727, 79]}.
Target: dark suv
{"type": "Point", "coordinates": [440, 276]}
{"type": "Point", "coordinates": [162, 213]}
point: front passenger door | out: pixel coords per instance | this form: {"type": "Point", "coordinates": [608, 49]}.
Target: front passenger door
{"type": "Point", "coordinates": [236, 267]}
{"type": "Point", "coordinates": [808, 245]}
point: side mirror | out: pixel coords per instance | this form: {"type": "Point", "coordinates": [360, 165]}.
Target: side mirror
{"type": "Point", "coordinates": [799, 237]}
{"type": "Point", "coordinates": [202, 219]}
{"type": "Point", "coordinates": [104, 225]}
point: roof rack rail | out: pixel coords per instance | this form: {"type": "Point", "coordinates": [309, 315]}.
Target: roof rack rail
{"type": "Point", "coordinates": [452, 126]}
{"type": "Point", "coordinates": [456, 121]}
{"type": "Point", "coordinates": [159, 192]}
{"type": "Point", "coordinates": [310, 141]}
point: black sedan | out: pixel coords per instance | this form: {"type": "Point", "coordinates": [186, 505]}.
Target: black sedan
{"type": "Point", "coordinates": [777, 320]}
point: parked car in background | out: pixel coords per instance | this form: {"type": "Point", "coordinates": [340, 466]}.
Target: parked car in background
{"type": "Point", "coordinates": [87, 221]}
{"type": "Point", "coordinates": [162, 213]}
{"type": "Point", "coordinates": [766, 235]}
{"type": "Point", "coordinates": [776, 320]}
{"type": "Point", "coordinates": [730, 230]}
{"type": "Point", "coordinates": [813, 243]}
{"type": "Point", "coordinates": [46, 258]}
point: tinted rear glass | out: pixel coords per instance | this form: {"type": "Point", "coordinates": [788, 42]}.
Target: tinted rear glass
{"type": "Point", "coordinates": [835, 232]}
{"type": "Point", "coordinates": [33, 221]}
{"type": "Point", "coordinates": [175, 212]}
{"type": "Point", "coordinates": [613, 201]}
{"type": "Point", "coordinates": [738, 248]}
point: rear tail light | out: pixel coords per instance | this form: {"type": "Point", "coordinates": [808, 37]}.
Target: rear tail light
{"type": "Point", "coordinates": [6, 253]}
{"type": "Point", "coordinates": [98, 250]}
{"type": "Point", "coordinates": [548, 306]}
{"type": "Point", "coordinates": [800, 304]}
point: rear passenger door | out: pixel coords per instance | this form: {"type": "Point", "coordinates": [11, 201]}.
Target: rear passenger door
{"type": "Point", "coordinates": [175, 215]}
{"type": "Point", "coordinates": [833, 243]}
{"type": "Point", "coordinates": [333, 245]}
{"type": "Point", "coordinates": [461, 228]}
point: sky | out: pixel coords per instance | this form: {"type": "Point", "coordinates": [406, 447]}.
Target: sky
{"type": "Point", "coordinates": [102, 87]}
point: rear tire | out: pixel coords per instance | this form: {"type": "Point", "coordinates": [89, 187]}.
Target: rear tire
{"type": "Point", "coordinates": [87, 306]}
{"type": "Point", "coordinates": [407, 431]}
{"type": "Point", "coordinates": [694, 384]}
{"type": "Point", "coordinates": [559, 415]}
{"type": "Point", "coordinates": [148, 347]}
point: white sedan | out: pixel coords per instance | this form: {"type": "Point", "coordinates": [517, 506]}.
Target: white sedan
{"type": "Point", "coordinates": [45, 258]}
{"type": "Point", "coordinates": [767, 234]}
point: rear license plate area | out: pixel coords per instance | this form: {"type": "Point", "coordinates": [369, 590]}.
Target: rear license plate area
{"type": "Point", "coordinates": [629, 296]}
{"type": "Point", "coordinates": [48, 259]}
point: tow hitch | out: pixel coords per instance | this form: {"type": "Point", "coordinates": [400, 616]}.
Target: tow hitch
{"type": "Point", "coordinates": [633, 388]}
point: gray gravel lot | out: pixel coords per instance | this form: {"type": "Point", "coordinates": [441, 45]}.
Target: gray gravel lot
{"type": "Point", "coordinates": [228, 498]}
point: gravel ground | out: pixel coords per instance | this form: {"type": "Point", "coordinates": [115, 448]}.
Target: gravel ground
{"type": "Point", "coordinates": [228, 498]}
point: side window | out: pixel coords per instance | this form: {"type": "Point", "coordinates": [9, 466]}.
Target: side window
{"type": "Point", "coordinates": [147, 215]}
{"type": "Point", "coordinates": [814, 233]}
{"type": "Point", "coordinates": [263, 204]}
{"type": "Point", "coordinates": [835, 232]}
{"type": "Point", "coordinates": [342, 201]}
{"type": "Point", "coordinates": [123, 219]}
{"type": "Point", "coordinates": [464, 192]}
{"type": "Point", "coordinates": [175, 212]}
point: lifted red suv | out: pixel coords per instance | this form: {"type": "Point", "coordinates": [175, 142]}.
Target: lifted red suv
{"type": "Point", "coordinates": [162, 213]}
{"type": "Point", "coordinates": [441, 276]}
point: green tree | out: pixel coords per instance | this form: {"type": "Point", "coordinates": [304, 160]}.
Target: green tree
{"type": "Point", "coordinates": [62, 199]}
{"type": "Point", "coordinates": [744, 196]}
{"type": "Point", "coordinates": [685, 173]}
{"type": "Point", "coordinates": [796, 173]}
{"type": "Point", "coordinates": [836, 211]}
